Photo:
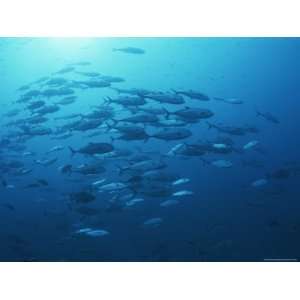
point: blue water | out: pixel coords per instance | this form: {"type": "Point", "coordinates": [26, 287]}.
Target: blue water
{"type": "Point", "coordinates": [225, 219]}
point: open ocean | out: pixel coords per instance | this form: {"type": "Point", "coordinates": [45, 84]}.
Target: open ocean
{"type": "Point", "coordinates": [149, 149]}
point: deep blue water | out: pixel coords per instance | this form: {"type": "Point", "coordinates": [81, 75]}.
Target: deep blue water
{"type": "Point", "coordinates": [226, 218]}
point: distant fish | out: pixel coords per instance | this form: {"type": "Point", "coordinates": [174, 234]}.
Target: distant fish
{"type": "Point", "coordinates": [183, 193]}
{"type": "Point", "coordinates": [251, 145]}
{"type": "Point", "coordinates": [92, 232]}
{"type": "Point", "coordinates": [81, 63]}
{"type": "Point", "coordinates": [153, 223]}
{"type": "Point", "coordinates": [65, 70]}
{"type": "Point", "coordinates": [55, 149]}
{"type": "Point", "coordinates": [46, 162]}
{"type": "Point", "coordinates": [111, 187]}
{"type": "Point", "coordinates": [99, 182]}
{"type": "Point", "coordinates": [93, 148]}
{"type": "Point", "coordinates": [181, 181]}
{"type": "Point", "coordinates": [10, 186]}
{"type": "Point", "coordinates": [229, 101]}
{"type": "Point", "coordinates": [134, 201]}
{"type": "Point", "coordinates": [222, 163]}
{"type": "Point", "coordinates": [4, 183]}
{"type": "Point", "coordinates": [28, 153]}
{"type": "Point", "coordinates": [8, 206]}
{"type": "Point", "coordinates": [268, 116]}
{"type": "Point", "coordinates": [169, 203]}
{"type": "Point", "coordinates": [259, 182]}
{"type": "Point", "coordinates": [175, 149]}
{"type": "Point", "coordinates": [131, 50]}
{"type": "Point", "coordinates": [193, 95]}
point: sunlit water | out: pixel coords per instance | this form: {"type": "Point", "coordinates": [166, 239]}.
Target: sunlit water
{"type": "Point", "coordinates": [226, 218]}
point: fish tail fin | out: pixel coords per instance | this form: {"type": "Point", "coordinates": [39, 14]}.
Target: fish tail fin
{"type": "Point", "coordinates": [109, 127]}
{"type": "Point", "coordinates": [167, 113]}
{"type": "Point", "coordinates": [112, 139]}
{"type": "Point", "coordinates": [115, 49]}
{"type": "Point", "coordinates": [210, 125]}
{"type": "Point", "coordinates": [107, 100]}
{"type": "Point", "coordinates": [73, 152]}
{"type": "Point", "coordinates": [115, 122]}
{"type": "Point", "coordinates": [115, 89]}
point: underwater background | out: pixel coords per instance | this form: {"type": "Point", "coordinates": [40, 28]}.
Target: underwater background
{"type": "Point", "coordinates": [210, 172]}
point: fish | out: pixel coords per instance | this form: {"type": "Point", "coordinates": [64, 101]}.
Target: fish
{"type": "Point", "coordinates": [169, 98]}
{"type": "Point", "coordinates": [67, 117]}
{"type": "Point", "coordinates": [268, 116]}
{"type": "Point", "coordinates": [65, 70]}
{"type": "Point", "coordinates": [134, 201]}
{"type": "Point", "coordinates": [112, 79]}
{"type": "Point", "coordinates": [259, 182]}
{"type": "Point", "coordinates": [92, 232]}
{"type": "Point", "coordinates": [93, 148]}
{"type": "Point", "coordinates": [55, 149]}
{"type": "Point", "coordinates": [36, 131]}
{"type": "Point", "coordinates": [130, 50]}
{"type": "Point", "coordinates": [221, 148]}
{"type": "Point", "coordinates": [169, 203]}
{"type": "Point", "coordinates": [233, 130]}
{"type": "Point", "coordinates": [153, 222]}
{"type": "Point", "coordinates": [169, 134]}
{"type": "Point", "coordinates": [35, 105]}
{"type": "Point", "coordinates": [182, 193]}
{"type": "Point", "coordinates": [126, 100]}
{"type": "Point", "coordinates": [28, 153]}
{"type": "Point", "coordinates": [143, 166]}
{"type": "Point", "coordinates": [81, 63]}
{"type": "Point", "coordinates": [66, 100]}
{"type": "Point", "coordinates": [47, 109]}
{"type": "Point", "coordinates": [57, 81]}
{"type": "Point", "coordinates": [181, 181]}
{"type": "Point", "coordinates": [229, 101]}
{"type": "Point", "coordinates": [8, 206]}
{"type": "Point", "coordinates": [46, 162]}
{"type": "Point", "coordinates": [159, 175]}
{"type": "Point", "coordinates": [140, 118]}
{"type": "Point", "coordinates": [193, 95]}
{"type": "Point", "coordinates": [132, 91]}
{"type": "Point", "coordinates": [98, 182]}
{"type": "Point", "coordinates": [191, 114]}
{"type": "Point", "coordinates": [112, 187]}
{"type": "Point", "coordinates": [221, 163]}
{"type": "Point", "coordinates": [282, 173]}
{"type": "Point", "coordinates": [174, 150]}
{"type": "Point", "coordinates": [250, 145]}
{"type": "Point", "coordinates": [95, 83]}
{"type": "Point", "coordinates": [42, 182]}
{"type": "Point", "coordinates": [55, 92]}
{"type": "Point", "coordinates": [89, 74]}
